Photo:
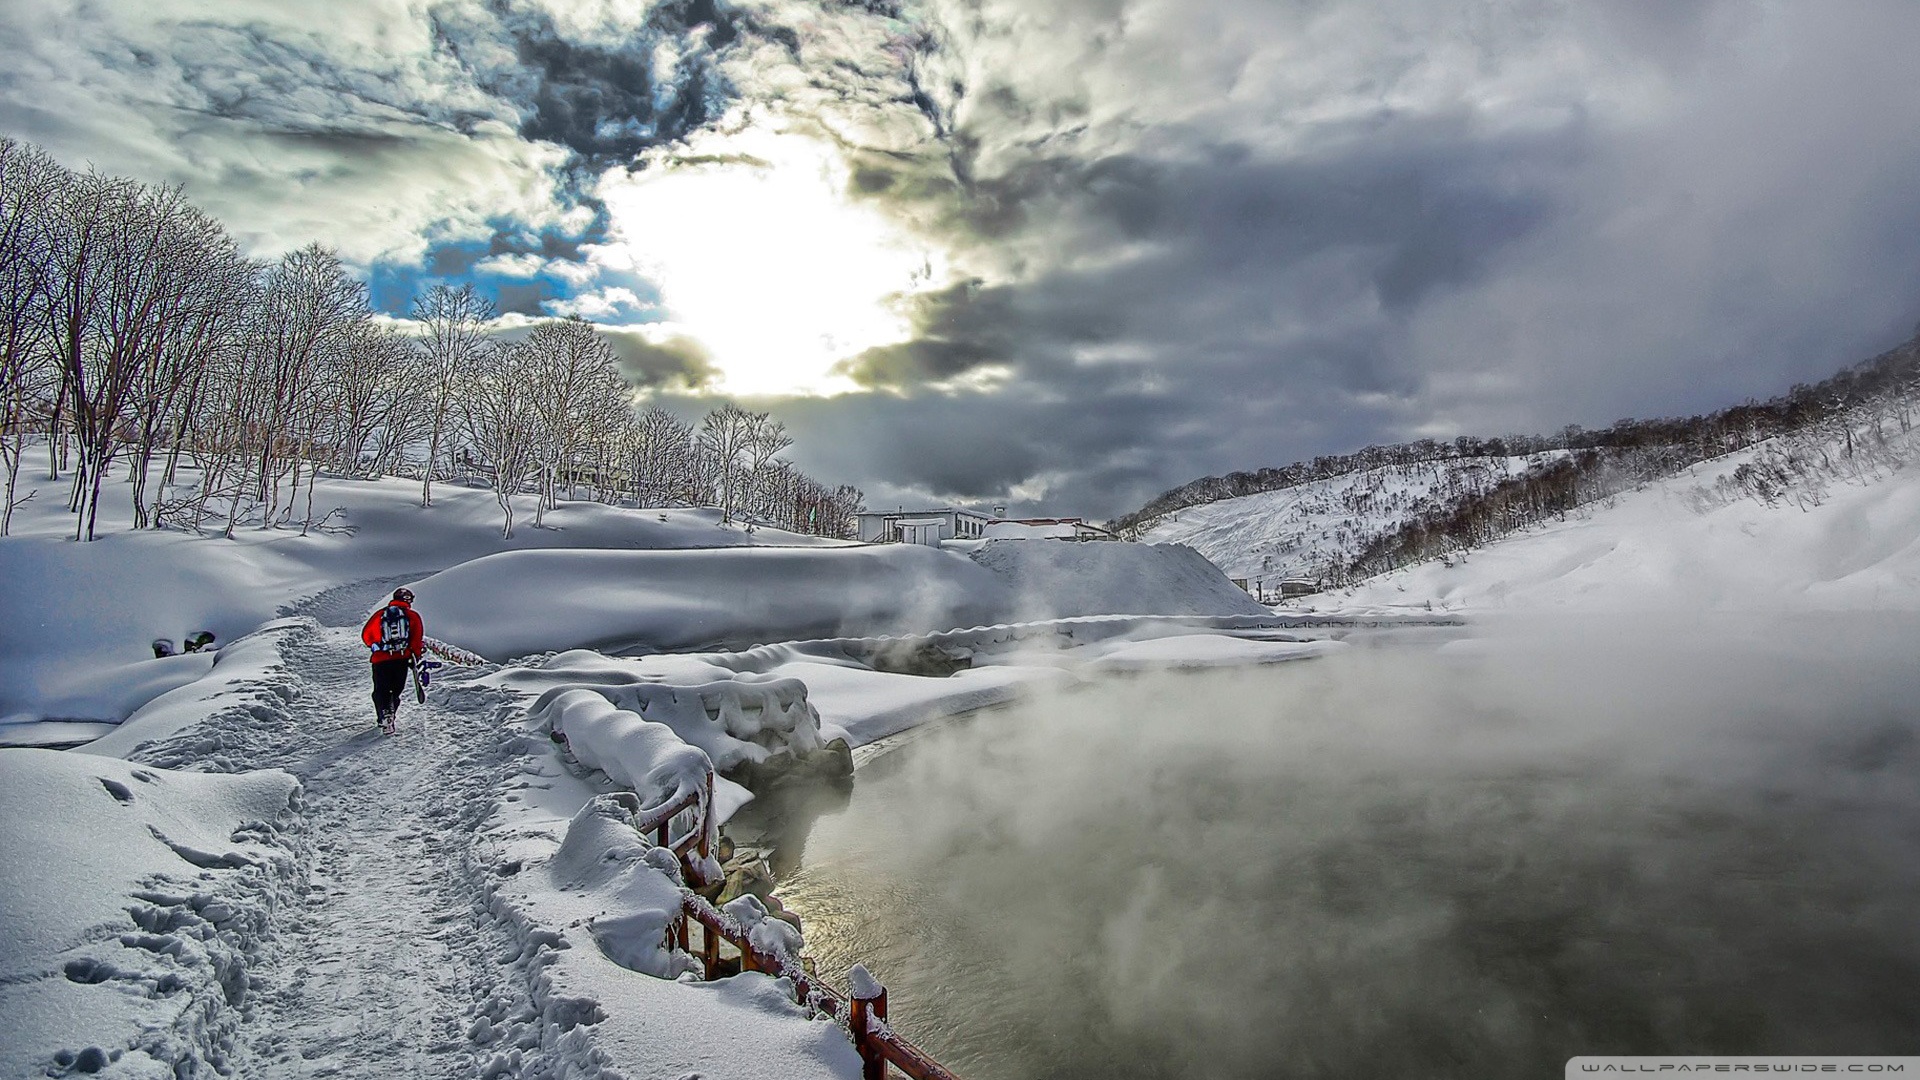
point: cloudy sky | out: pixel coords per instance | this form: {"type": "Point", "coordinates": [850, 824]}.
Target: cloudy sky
{"type": "Point", "coordinates": [1063, 253]}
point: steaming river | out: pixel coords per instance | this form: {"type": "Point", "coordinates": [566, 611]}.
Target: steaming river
{"type": "Point", "coordinates": [1470, 861]}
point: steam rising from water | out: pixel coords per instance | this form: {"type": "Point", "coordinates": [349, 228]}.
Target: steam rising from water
{"type": "Point", "coordinates": [1474, 861]}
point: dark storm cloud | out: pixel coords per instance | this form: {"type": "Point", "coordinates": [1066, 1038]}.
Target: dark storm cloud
{"type": "Point", "coordinates": [1226, 245]}
{"type": "Point", "coordinates": [956, 329]}
{"type": "Point", "coordinates": [1430, 220]}
{"type": "Point", "coordinates": [609, 99]}
{"type": "Point", "coordinates": [676, 365]}
{"type": "Point", "coordinates": [523, 299]}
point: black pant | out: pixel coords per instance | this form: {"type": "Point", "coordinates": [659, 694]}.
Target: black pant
{"type": "Point", "coordinates": [389, 681]}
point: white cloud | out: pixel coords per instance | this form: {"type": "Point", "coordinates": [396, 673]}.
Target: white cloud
{"type": "Point", "coordinates": [764, 259]}
{"type": "Point", "coordinates": [599, 304]}
{"type": "Point", "coordinates": [351, 128]}
{"type": "Point", "coordinates": [514, 265]}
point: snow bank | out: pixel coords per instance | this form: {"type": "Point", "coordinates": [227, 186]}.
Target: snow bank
{"type": "Point", "coordinates": [684, 600]}
{"type": "Point", "coordinates": [1056, 580]}
{"type": "Point", "coordinates": [1015, 530]}
{"type": "Point", "coordinates": [667, 600]}
{"type": "Point", "coordinates": [248, 675]}
{"type": "Point", "coordinates": [796, 696]}
{"type": "Point", "coordinates": [622, 889]}
{"type": "Point", "coordinates": [659, 736]}
{"type": "Point", "coordinates": [590, 902]}
{"type": "Point", "coordinates": [165, 885]}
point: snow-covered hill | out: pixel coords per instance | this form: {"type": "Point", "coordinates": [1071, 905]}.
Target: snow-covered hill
{"type": "Point", "coordinates": [1825, 520]}
{"type": "Point", "coordinates": [1306, 530]}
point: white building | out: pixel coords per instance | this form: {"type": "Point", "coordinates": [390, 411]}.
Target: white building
{"type": "Point", "coordinates": [921, 526]}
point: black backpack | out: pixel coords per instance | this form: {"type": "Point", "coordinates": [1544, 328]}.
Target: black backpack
{"type": "Point", "coordinates": [395, 633]}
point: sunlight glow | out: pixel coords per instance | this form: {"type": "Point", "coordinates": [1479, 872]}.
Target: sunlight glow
{"type": "Point", "coordinates": [762, 257]}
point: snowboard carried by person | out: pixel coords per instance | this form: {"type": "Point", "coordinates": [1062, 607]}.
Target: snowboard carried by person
{"type": "Point", "coordinates": [423, 674]}
{"type": "Point", "coordinates": [394, 636]}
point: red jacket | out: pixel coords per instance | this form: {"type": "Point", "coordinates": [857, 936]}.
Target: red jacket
{"type": "Point", "coordinates": [370, 633]}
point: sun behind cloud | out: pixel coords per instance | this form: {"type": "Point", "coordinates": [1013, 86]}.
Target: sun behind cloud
{"type": "Point", "coordinates": [762, 257]}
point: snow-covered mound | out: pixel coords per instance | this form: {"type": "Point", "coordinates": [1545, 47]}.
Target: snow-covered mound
{"type": "Point", "coordinates": [135, 900]}
{"type": "Point", "coordinates": [1846, 540]}
{"type": "Point", "coordinates": [1054, 579]}
{"type": "Point", "coordinates": [680, 600]}
{"type": "Point", "coordinates": [534, 601]}
{"type": "Point", "coordinates": [1301, 531]}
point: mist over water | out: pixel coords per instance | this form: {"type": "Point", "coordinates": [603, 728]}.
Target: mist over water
{"type": "Point", "coordinates": [1475, 860]}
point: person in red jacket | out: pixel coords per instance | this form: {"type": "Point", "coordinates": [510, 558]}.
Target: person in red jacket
{"type": "Point", "coordinates": [395, 635]}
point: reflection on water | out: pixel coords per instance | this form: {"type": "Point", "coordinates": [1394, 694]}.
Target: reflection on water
{"type": "Point", "coordinates": [1470, 862]}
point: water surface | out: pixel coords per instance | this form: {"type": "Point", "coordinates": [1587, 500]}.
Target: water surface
{"type": "Point", "coordinates": [1473, 861]}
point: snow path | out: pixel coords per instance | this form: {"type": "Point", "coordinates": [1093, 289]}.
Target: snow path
{"type": "Point", "coordinates": [383, 966]}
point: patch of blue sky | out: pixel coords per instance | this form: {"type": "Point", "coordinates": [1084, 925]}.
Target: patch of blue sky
{"type": "Point", "coordinates": [530, 279]}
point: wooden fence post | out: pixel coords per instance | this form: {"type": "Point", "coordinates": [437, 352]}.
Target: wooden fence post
{"type": "Point", "coordinates": [869, 1003]}
{"type": "Point", "coordinates": [706, 817]}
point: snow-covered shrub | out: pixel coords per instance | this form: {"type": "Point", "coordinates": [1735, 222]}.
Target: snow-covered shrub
{"type": "Point", "coordinates": [736, 720]}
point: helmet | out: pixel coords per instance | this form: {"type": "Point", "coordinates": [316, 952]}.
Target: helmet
{"type": "Point", "coordinates": [403, 595]}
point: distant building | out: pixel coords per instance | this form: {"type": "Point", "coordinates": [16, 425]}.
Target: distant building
{"type": "Point", "coordinates": [922, 526]}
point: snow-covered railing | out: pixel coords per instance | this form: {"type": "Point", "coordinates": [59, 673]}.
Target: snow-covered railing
{"type": "Point", "coordinates": [658, 821]}
{"type": "Point", "coordinates": [864, 1014]}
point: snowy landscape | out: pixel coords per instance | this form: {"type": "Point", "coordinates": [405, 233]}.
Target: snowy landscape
{"type": "Point", "coordinates": [245, 864]}
{"type": "Point", "coordinates": [1015, 540]}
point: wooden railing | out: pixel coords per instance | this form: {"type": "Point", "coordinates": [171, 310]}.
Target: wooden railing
{"type": "Point", "coordinates": [864, 1017]}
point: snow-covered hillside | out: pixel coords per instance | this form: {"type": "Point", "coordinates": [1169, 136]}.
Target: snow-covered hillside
{"type": "Point", "coordinates": [1305, 530]}
{"type": "Point", "coordinates": [1819, 521]}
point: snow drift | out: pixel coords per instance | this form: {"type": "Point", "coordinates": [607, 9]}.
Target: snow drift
{"type": "Point", "coordinates": [167, 881]}
{"type": "Point", "coordinates": [78, 610]}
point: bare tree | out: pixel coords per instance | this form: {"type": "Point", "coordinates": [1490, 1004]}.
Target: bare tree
{"type": "Point", "coordinates": [205, 291]}
{"type": "Point", "coordinates": [765, 438]}
{"type": "Point", "coordinates": [504, 426]}
{"type": "Point", "coordinates": [121, 240]}
{"type": "Point", "coordinates": [309, 312]}
{"type": "Point", "coordinates": [724, 435]}
{"type": "Point", "coordinates": [30, 184]}
{"type": "Point", "coordinates": [577, 391]}
{"type": "Point", "coordinates": [359, 380]}
{"type": "Point", "coordinates": [452, 348]}
{"type": "Point", "coordinates": [659, 453]}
